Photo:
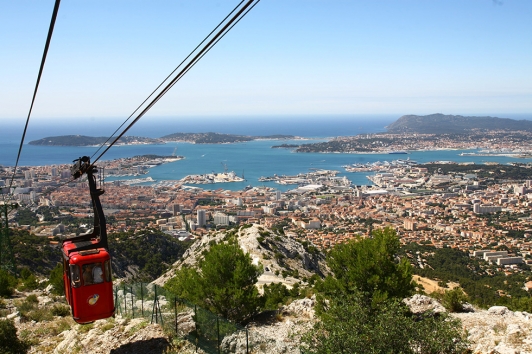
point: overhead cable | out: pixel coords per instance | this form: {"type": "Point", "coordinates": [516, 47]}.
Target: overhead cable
{"type": "Point", "coordinates": [166, 79]}
{"type": "Point", "coordinates": [43, 60]}
{"type": "Point", "coordinates": [241, 12]}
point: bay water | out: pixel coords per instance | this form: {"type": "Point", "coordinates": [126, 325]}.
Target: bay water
{"type": "Point", "coordinates": [251, 159]}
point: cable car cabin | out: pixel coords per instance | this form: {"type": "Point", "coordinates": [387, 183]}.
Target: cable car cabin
{"type": "Point", "coordinates": [88, 283]}
{"type": "Point", "coordinates": [86, 260]}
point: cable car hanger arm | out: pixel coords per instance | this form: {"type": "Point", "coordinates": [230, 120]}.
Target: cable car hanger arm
{"type": "Point", "coordinates": [99, 232]}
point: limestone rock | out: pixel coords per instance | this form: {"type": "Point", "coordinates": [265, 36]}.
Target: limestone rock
{"type": "Point", "coordinates": [421, 303]}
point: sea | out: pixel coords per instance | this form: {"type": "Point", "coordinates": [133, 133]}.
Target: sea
{"type": "Point", "coordinates": [250, 160]}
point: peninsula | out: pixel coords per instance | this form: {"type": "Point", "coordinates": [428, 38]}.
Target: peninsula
{"type": "Point", "coordinates": [218, 138]}
{"type": "Point", "coordinates": [495, 136]}
{"type": "Point", "coordinates": [82, 140]}
{"type": "Point", "coordinates": [449, 124]}
{"type": "Point", "coordinates": [195, 138]}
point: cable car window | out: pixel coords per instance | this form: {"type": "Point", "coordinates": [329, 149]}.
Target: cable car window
{"type": "Point", "coordinates": [74, 275]}
{"type": "Point", "coordinates": [92, 273]}
{"type": "Point", "coordinates": [87, 274]}
{"type": "Point", "coordinates": [107, 266]}
{"type": "Point", "coordinates": [97, 273]}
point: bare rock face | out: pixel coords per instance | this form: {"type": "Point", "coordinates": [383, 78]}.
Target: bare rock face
{"type": "Point", "coordinates": [284, 259]}
{"type": "Point", "coordinates": [301, 308]}
{"type": "Point", "coordinates": [498, 330]}
{"type": "Point", "coordinates": [185, 322]}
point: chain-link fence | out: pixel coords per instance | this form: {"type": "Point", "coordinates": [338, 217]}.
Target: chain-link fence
{"type": "Point", "coordinates": [181, 318]}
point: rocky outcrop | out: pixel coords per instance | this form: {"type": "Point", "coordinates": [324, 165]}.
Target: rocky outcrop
{"type": "Point", "coordinates": [421, 303]}
{"type": "Point", "coordinates": [493, 331]}
{"type": "Point", "coordinates": [498, 330]}
{"type": "Point", "coordinates": [284, 259]}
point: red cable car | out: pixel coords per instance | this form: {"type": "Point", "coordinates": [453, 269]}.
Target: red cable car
{"type": "Point", "coordinates": [86, 260]}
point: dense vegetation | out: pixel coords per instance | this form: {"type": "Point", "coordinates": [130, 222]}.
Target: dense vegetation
{"type": "Point", "coordinates": [34, 252]}
{"type": "Point", "coordinates": [9, 342]}
{"type": "Point", "coordinates": [360, 307]}
{"type": "Point", "coordinates": [495, 172]}
{"type": "Point", "coordinates": [151, 251]}
{"type": "Point", "coordinates": [370, 267]}
{"type": "Point", "coordinates": [483, 285]}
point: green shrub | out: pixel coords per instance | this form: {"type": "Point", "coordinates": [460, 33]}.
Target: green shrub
{"type": "Point", "coordinates": [39, 315]}
{"type": "Point", "coordinates": [29, 283]}
{"type": "Point", "coordinates": [453, 300]}
{"type": "Point", "coordinates": [60, 310]}
{"type": "Point", "coordinates": [56, 280]}
{"type": "Point", "coordinates": [9, 342]}
{"type": "Point", "coordinates": [349, 324]}
{"type": "Point", "coordinates": [32, 299]}
{"type": "Point", "coordinates": [85, 327]}
{"type": "Point", "coordinates": [275, 295]}
{"type": "Point", "coordinates": [27, 305]}
{"type": "Point", "coordinates": [6, 283]}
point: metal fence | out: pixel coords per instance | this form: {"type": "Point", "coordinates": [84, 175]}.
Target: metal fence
{"type": "Point", "coordinates": [206, 330]}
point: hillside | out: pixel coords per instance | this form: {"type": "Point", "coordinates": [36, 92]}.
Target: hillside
{"type": "Point", "coordinates": [142, 256]}
{"type": "Point", "coordinates": [449, 124]}
{"type": "Point", "coordinates": [496, 330]}
{"type": "Point", "coordinates": [43, 321]}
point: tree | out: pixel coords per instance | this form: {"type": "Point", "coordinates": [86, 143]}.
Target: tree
{"type": "Point", "coordinates": [9, 342]}
{"type": "Point", "coordinates": [453, 300]}
{"type": "Point", "coordinates": [370, 267]}
{"type": "Point", "coordinates": [56, 280]}
{"type": "Point", "coordinates": [7, 283]}
{"type": "Point", "coordinates": [275, 295]}
{"type": "Point", "coordinates": [349, 324]}
{"type": "Point", "coordinates": [361, 311]}
{"type": "Point", "coordinates": [223, 283]}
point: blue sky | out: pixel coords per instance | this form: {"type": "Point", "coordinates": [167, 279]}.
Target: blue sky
{"type": "Point", "coordinates": [287, 57]}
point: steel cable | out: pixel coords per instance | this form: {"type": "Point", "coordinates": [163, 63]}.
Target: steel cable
{"type": "Point", "coordinates": [228, 26]}
{"type": "Point", "coordinates": [169, 75]}
{"type": "Point", "coordinates": [43, 60]}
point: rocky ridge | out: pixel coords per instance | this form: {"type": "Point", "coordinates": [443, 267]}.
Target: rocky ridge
{"type": "Point", "coordinates": [277, 254]}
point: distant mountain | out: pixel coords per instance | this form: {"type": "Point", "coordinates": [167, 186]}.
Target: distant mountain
{"type": "Point", "coordinates": [448, 124]}
{"type": "Point", "coordinates": [218, 138]}
{"type": "Point", "coordinates": [82, 140]}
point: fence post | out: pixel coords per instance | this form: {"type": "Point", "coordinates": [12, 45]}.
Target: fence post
{"type": "Point", "coordinates": [196, 325]}
{"type": "Point", "coordinates": [142, 299]}
{"type": "Point", "coordinates": [175, 312]}
{"type": "Point", "coordinates": [247, 342]}
{"type": "Point", "coordinates": [132, 304]}
{"type": "Point", "coordinates": [154, 309]}
{"type": "Point", "coordinates": [218, 334]}
{"type": "Point", "coordinates": [117, 305]}
{"type": "Point", "coordinates": [125, 301]}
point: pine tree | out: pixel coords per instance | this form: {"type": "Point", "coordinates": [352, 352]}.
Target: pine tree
{"type": "Point", "coordinates": [224, 282]}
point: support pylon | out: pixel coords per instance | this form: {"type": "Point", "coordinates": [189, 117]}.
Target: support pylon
{"type": "Point", "coordinates": [7, 259]}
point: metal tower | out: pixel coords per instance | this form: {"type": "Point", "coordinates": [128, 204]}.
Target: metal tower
{"type": "Point", "coordinates": [7, 259]}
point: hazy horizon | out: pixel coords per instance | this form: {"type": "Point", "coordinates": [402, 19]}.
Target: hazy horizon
{"type": "Point", "coordinates": [284, 58]}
